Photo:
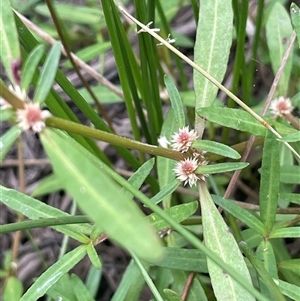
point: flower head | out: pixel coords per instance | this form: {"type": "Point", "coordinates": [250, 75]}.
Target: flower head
{"type": "Point", "coordinates": [185, 169]}
{"type": "Point", "coordinates": [281, 106]}
{"type": "Point", "coordinates": [183, 139]}
{"type": "Point", "coordinates": [32, 117]}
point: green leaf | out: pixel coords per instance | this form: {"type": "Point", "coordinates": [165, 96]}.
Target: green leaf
{"type": "Point", "coordinates": [98, 195]}
{"type": "Point", "coordinates": [258, 265]}
{"type": "Point", "coordinates": [88, 53]}
{"type": "Point", "coordinates": [8, 139]}
{"type": "Point", "coordinates": [288, 289]}
{"type": "Point", "coordinates": [6, 114]}
{"type": "Point", "coordinates": [30, 66]}
{"type": "Point", "coordinates": [292, 232]}
{"type": "Point", "coordinates": [13, 289]}
{"type": "Point", "coordinates": [53, 274]}
{"type": "Point", "coordinates": [216, 148]}
{"type": "Point", "coordinates": [290, 265]}
{"type": "Point", "coordinates": [294, 137]}
{"type": "Point", "coordinates": [265, 254]}
{"type": "Point", "coordinates": [178, 213]}
{"type": "Point", "coordinates": [242, 214]}
{"type": "Point", "coordinates": [290, 174]}
{"type": "Point", "coordinates": [93, 279]}
{"type": "Point", "coordinates": [80, 290]}
{"type": "Point", "coordinates": [220, 240]}
{"type": "Point", "coordinates": [35, 209]}
{"type": "Point", "coordinates": [9, 50]}
{"type": "Point", "coordinates": [47, 75]}
{"type": "Point", "coordinates": [176, 102]}
{"type": "Point", "coordinates": [166, 191]}
{"type": "Point", "coordinates": [184, 259]}
{"type": "Point", "coordinates": [295, 16]}
{"type": "Point", "coordinates": [233, 118]}
{"type": "Point", "coordinates": [138, 178]}
{"type": "Point", "coordinates": [165, 166]}
{"type": "Point", "coordinates": [290, 197]}
{"type": "Point", "coordinates": [74, 13]}
{"type": "Point", "coordinates": [278, 32]}
{"type": "Point", "coordinates": [171, 295]}
{"type": "Point", "coordinates": [269, 183]}
{"type": "Point", "coordinates": [132, 282]}
{"type": "Point", "coordinates": [104, 94]}
{"type": "Point", "coordinates": [93, 256]}
{"type": "Point", "coordinates": [251, 237]}
{"type": "Point", "coordinates": [196, 291]}
{"type": "Point", "coordinates": [63, 288]}
{"type": "Point", "coordinates": [220, 167]}
{"type": "Point", "coordinates": [47, 185]}
{"type": "Point", "coordinates": [212, 47]}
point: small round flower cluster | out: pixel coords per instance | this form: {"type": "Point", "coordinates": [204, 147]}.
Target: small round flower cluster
{"type": "Point", "coordinates": [185, 169]}
{"type": "Point", "coordinates": [31, 117]}
{"type": "Point", "coordinates": [281, 106]}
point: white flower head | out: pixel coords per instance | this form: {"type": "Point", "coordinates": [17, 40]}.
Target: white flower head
{"type": "Point", "coordinates": [185, 171]}
{"type": "Point", "coordinates": [183, 139]}
{"type": "Point", "coordinates": [281, 106]}
{"type": "Point", "coordinates": [32, 117]}
{"type": "Point", "coordinates": [163, 141]}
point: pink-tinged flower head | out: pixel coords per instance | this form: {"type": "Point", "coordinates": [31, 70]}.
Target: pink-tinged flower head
{"type": "Point", "coordinates": [281, 106]}
{"type": "Point", "coordinates": [185, 169]}
{"type": "Point", "coordinates": [183, 139]}
{"type": "Point", "coordinates": [32, 117]}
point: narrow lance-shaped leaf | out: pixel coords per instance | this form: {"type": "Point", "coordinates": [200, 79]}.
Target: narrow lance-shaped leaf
{"type": "Point", "coordinates": [278, 32]}
{"type": "Point", "coordinates": [35, 209]}
{"type": "Point", "coordinates": [99, 197]}
{"type": "Point", "coordinates": [54, 273]}
{"type": "Point", "coordinates": [7, 140]}
{"type": "Point", "coordinates": [269, 183]}
{"type": "Point", "coordinates": [220, 240]}
{"type": "Point", "coordinates": [47, 75]}
{"type": "Point", "coordinates": [221, 167]}
{"type": "Point", "coordinates": [9, 50]}
{"type": "Point", "coordinates": [30, 66]}
{"type": "Point", "coordinates": [265, 253]}
{"type": "Point", "coordinates": [242, 214]}
{"type": "Point", "coordinates": [290, 174]}
{"type": "Point", "coordinates": [80, 290]}
{"type": "Point", "coordinates": [288, 289]}
{"type": "Point", "coordinates": [93, 256]}
{"type": "Point", "coordinates": [216, 148]}
{"type": "Point", "coordinates": [213, 41]}
{"type": "Point", "coordinates": [176, 102]}
{"type": "Point", "coordinates": [295, 16]}
{"type": "Point", "coordinates": [233, 118]}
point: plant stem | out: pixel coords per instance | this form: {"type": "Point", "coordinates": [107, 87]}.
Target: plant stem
{"type": "Point", "coordinates": [86, 131]}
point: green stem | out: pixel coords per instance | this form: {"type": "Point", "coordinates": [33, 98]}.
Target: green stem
{"type": "Point", "coordinates": [86, 131]}
{"type": "Point", "coordinates": [43, 223]}
{"type": "Point", "coordinates": [10, 97]}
